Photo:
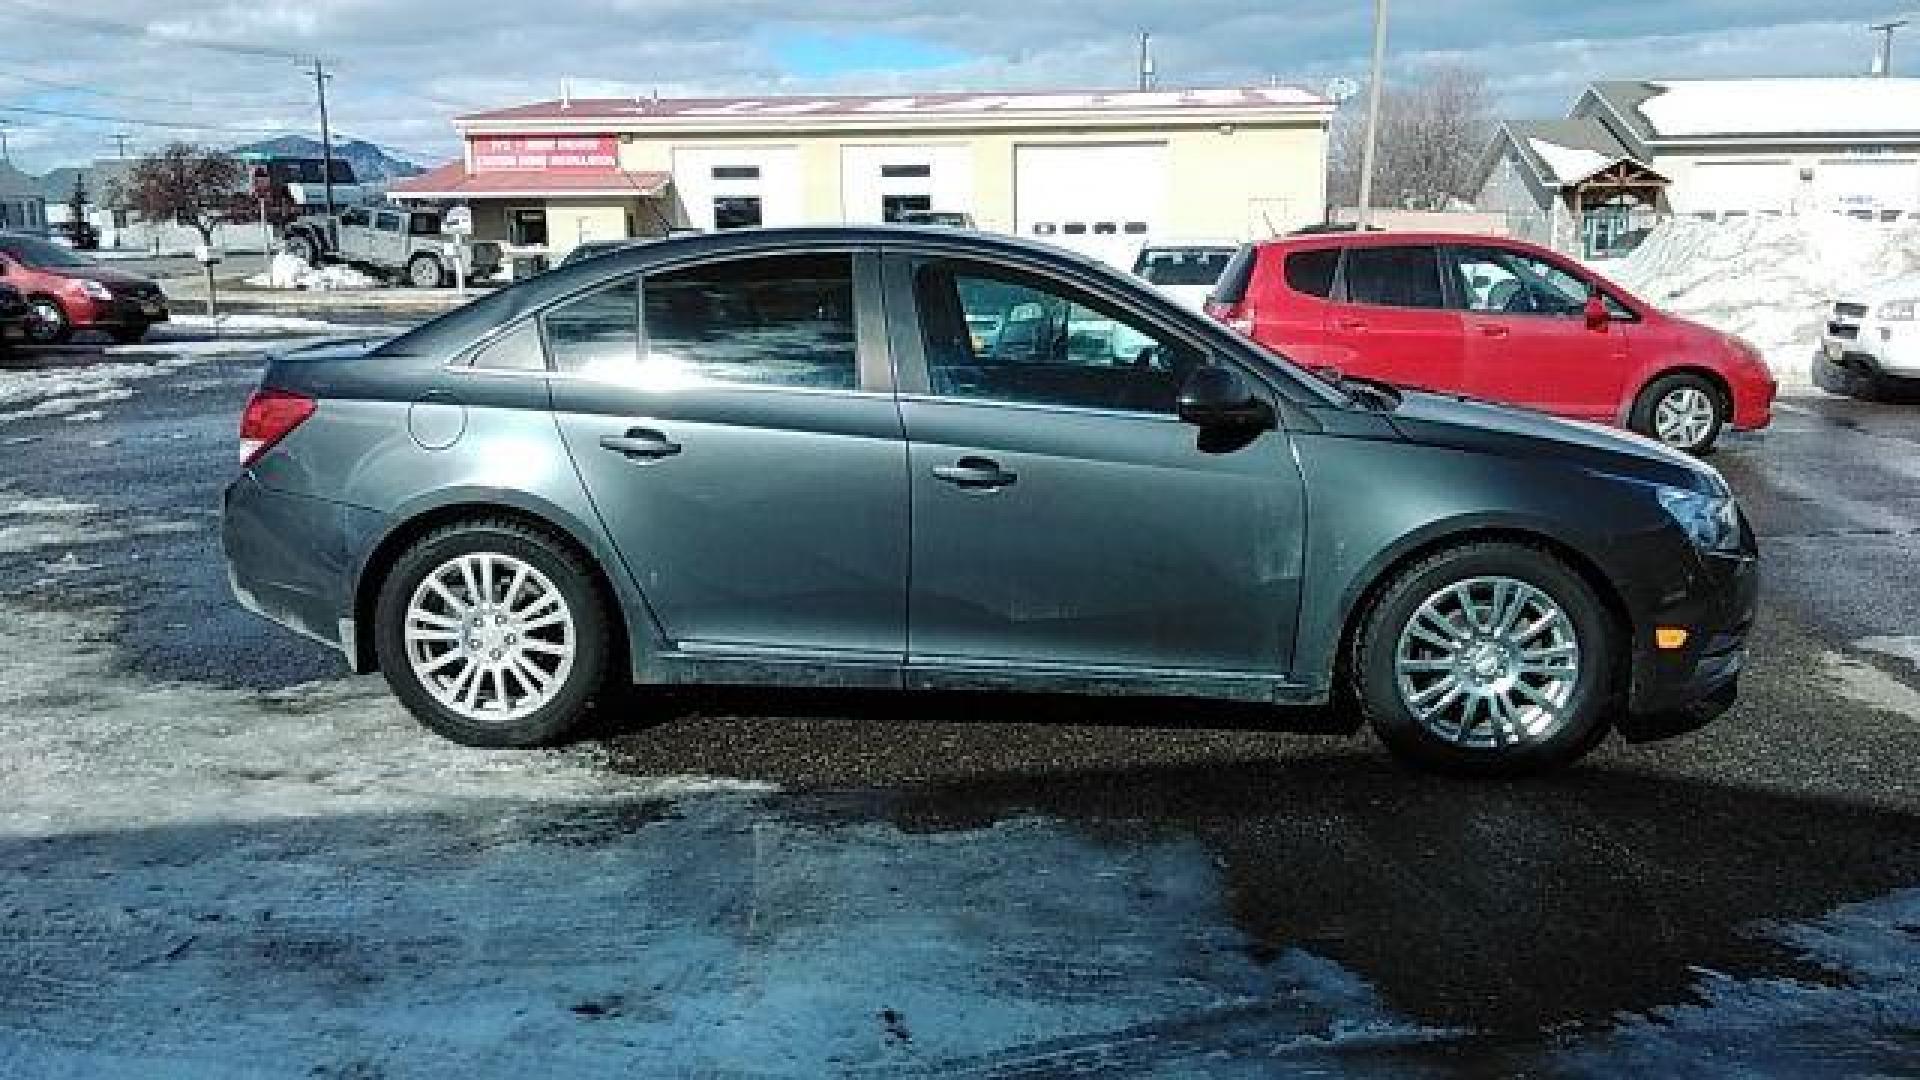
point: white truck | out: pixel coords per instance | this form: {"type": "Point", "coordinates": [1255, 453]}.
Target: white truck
{"type": "Point", "coordinates": [1872, 340]}
{"type": "Point", "coordinates": [390, 241]}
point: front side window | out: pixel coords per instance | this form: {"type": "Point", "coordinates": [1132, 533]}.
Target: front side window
{"type": "Point", "coordinates": [736, 212]}
{"type": "Point", "coordinates": [354, 216]}
{"type": "Point", "coordinates": [993, 334]}
{"type": "Point", "coordinates": [1403, 277]}
{"type": "Point", "coordinates": [1498, 281]}
{"type": "Point", "coordinates": [598, 334]}
{"type": "Point", "coordinates": [780, 320]}
{"type": "Point", "coordinates": [387, 222]}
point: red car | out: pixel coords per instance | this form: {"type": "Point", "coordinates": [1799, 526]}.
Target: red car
{"type": "Point", "coordinates": [1494, 319]}
{"type": "Point", "coordinates": [67, 291]}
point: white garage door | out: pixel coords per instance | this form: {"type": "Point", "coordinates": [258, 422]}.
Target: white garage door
{"type": "Point", "coordinates": [1867, 185]}
{"type": "Point", "coordinates": [1741, 186]}
{"type": "Point", "coordinates": [1102, 200]}
{"type": "Point", "coordinates": [738, 186]}
{"type": "Point", "coordinates": [880, 183]}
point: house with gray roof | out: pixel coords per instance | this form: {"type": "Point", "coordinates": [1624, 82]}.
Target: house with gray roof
{"type": "Point", "coordinates": [22, 208]}
{"type": "Point", "coordinates": [1631, 151]}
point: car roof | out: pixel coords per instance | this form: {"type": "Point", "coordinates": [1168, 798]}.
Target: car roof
{"type": "Point", "coordinates": [1389, 237]}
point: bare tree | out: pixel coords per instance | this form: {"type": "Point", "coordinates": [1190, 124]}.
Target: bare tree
{"type": "Point", "coordinates": [1432, 133]}
{"type": "Point", "coordinates": [194, 186]}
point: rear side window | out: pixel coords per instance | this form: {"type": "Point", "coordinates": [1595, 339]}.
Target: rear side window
{"type": "Point", "coordinates": [1232, 287]}
{"type": "Point", "coordinates": [597, 334]}
{"type": "Point", "coordinates": [1311, 272]}
{"type": "Point", "coordinates": [516, 350]}
{"type": "Point", "coordinates": [782, 320]}
{"type": "Point", "coordinates": [1404, 277]}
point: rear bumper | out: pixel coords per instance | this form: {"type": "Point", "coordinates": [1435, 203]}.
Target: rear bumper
{"type": "Point", "coordinates": [1679, 690]}
{"type": "Point", "coordinates": [288, 560]}
{"type": "Point", "coordinates": [119, 311]}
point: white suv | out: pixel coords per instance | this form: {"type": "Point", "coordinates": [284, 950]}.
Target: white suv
{"type": "Point", "coordinates": [1875, 336]}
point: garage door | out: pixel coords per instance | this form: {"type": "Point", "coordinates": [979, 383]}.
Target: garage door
{"type": "Point", "coordinates": [882, 183]}
{"type": "Point", "coordinates": [1867, 185]}
{"type": "Point", "coordinates": [732, 187]}
{"type": "Point", "coordinates": [1741, 186]}
{"type": "Point", "coordinates": [1102, 200]}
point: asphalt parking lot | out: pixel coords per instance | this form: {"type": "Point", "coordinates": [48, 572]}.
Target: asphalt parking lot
{"type": "Point", "coordinates": [224, 857]}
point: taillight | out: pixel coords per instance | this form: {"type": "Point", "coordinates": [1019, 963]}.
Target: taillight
{"type": "Point", "coordinates": [269, 417]}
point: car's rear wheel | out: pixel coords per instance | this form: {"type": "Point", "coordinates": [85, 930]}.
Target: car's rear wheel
{"type": "Point", "coordinates": [493, 634]}
{"type": "Point", "coordinates": [47, 322]}
{"type": "Point", "coordinates": [1681, 410]}
{"type": "Point", "coordinates": [425, 272]}
{"type": "Point", "coordinates": [1493, 658]}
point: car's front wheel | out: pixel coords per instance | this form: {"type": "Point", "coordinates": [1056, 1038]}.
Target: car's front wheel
{"type": "Point", "coordinates": [493, 634]}
{"type": "Point", "coordinates": [1682, 410]}
{"type": "Point", "coordinates": [1493, 658]}
{"type": "Point", "coordinates": [47, 322]}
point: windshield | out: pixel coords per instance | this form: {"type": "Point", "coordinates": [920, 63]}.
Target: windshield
{"type": "Point", "coordinates": [41, 254]}
{"type": "Point", "coordinates": [1183, 266]}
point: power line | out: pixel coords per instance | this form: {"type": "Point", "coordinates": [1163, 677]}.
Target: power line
{"type": "Point", "coordinates": [179, 125]}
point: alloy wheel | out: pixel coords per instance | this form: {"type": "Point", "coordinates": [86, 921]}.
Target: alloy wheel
{"type": "Point", "coordinates": [1488, 662]}
{"type": "Point", "coordinates": [46, 322]}
{"type": "Point", "coordinates": [490, 637]}
{"type": "Point", "coordinates": [1684, 417]}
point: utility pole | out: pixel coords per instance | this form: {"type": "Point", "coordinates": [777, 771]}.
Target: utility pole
{"type": "Point", "coordinates": [1364, 216]}
{"type": "Point", "coordinates": [1883, 59]}
{"type": "Point", "coordinates": [320, 78]}
{"type": "Point", "coordinates": [6, 155]}
{"type": "Point", "coordinates": [1146, 61]}
{"type": "Point", "coordinates": [121, 141]}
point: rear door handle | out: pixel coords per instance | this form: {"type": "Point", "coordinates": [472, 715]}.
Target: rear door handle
{"type": "Point", "coordinates": [643, 444]}
{"type": "Point", "coordinates": [1356, 325]}
{"type": "Point", "coordinates": [975, 474]}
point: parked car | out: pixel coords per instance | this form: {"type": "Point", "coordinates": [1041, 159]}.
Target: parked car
{"type": "Point", "coordinates": [389, 240]}
{"type": "Point", "coordinates": [13, 317]}
{"type": "Point", "coordinates": [1495, 319]}
{"type": "Point", "coordinates": [1872, 341]}
{"type": "Point", "coordinates": [67, 291]}
{"type": "Point", "coordinates": [1186, 271]}
{"type": "Point", "coordinates": [724, 459]}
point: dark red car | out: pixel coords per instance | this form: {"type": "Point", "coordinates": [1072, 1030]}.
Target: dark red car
{"type": "Point", "coordinates": [66, 291]}
{"type": "Point", "coordinates": [1494, 319]}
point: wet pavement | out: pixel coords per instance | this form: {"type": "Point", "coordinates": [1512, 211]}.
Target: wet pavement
{"type": "Point", "coordinates": [1077, 858]}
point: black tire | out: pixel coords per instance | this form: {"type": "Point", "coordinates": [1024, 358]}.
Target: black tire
{"type": "Point", "coordinates": [1583, 721]}
{"type": "Point", "coordinates": [47, 322]}
{"type": "Point", "coordinates": [571, 576]}
{"type": "Point", "coordinates": [1646, 409]}
{"type": "Point", "coordinates": [302, 247]}
{"type": "Point", "coordinates": [425, 272]}
{"type": "Point", "coordinates": [130, 334]}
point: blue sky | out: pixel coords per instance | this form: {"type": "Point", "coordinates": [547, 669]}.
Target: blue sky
{"type": "Point", "coordinates": [403, 69]}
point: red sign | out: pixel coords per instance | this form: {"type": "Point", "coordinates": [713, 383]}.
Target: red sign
{"type": "Point", "coordinates": [545, 153]}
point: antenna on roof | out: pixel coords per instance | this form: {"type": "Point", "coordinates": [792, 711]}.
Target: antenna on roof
{"type": "Point", "coordinates": [566, 93]}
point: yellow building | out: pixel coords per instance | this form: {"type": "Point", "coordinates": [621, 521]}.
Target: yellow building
{"type": "Point", "coordinates": [1101, 173]}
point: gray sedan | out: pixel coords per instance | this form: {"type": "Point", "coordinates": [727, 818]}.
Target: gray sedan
{"type": "Point", "coordinates": [929, 459]}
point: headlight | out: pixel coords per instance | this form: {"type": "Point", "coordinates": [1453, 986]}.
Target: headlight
{"type": "Point", "coordinates": [95, 290]}
{"type": "Point", "coordinates": [1710, 521]}
{"type": "Point", "coordinates": [1897, 311]}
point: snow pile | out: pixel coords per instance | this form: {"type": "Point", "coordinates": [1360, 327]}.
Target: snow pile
{"type": "Point", "coordinates": [290, 271]}
{"type": "Point", "coordinates": [1769, 280]}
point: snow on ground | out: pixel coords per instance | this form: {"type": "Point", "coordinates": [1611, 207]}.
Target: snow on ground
{"type": "Point", "coordinates": [1772, 281]}
{"type": "Point", "coordinates": [62, 391]}
{"type": "Point", "coordinates": [289, 271]}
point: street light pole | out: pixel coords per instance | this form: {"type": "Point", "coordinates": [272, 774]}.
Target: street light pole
{"type": "Point", "coordinates": [1365, 211]}
{"type": "Point", "coordinates": [326, 134]}
{"type": "Point", "coordinates": [1883, 59]}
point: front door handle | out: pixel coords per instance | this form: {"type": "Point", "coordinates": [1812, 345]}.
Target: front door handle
{"type": "Point", "coordinates": [1492, 330]}
{"type": "Point", "coordinates": [975, 474]}
{"type": "Point", "coordinates": [643, 444]}
{"type": "Point", "coordinates": [1357, 326]}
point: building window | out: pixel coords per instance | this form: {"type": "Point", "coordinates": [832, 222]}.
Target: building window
{"type": "Point", "coordinates": [895, 208]}
{"type": "Point", "coordinates": [906, 172]}
{"type": "Point", "coordinates": [1105, 228]}
{"type": "Point", "coordinates": [1136, 228]}
{"type": "Point", "coordinates": [1043, 228]}
{"type": "Point", "coordinates": [528, 227]}
{"type": "Point", "coordinates": [736, 172]}
{"type": "Point", "coordinates": [1075, 228]}
{"type": "Point", "coordinates": [736, 212]}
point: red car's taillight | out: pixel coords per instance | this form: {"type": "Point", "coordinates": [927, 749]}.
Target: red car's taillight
{"type": "Point", "coordinates": [270, 416]}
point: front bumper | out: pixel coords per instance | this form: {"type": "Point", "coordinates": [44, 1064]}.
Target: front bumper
{"type": "Point", "coordinates": [1873, 348]}
{"type": "Point", "coordinates": [1674, 691]}
{"type": "Point", "coordinates": [288, 560]}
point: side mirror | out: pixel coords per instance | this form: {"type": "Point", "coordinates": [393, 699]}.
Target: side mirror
{"type": "Point", "coordinates": [1217, 397]}
{"type": "Point", "coordinates": [1596, 311]}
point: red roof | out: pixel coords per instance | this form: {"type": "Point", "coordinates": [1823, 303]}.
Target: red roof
{"type": "Point", "coordinates": [453, 181]}
{"type": "Point", "coordinates": [799, 107]}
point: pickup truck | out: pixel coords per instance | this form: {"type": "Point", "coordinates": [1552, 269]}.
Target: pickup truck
{"type": "Point", "coordinates": [388, 240]}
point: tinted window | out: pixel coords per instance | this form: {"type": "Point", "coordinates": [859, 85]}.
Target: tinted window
{"type": "Point", "coordinates": [993, 334]}
{"type": "Point", "coordinates": [423, 224]}
{"type": "Point", "coordinates": [33, 252]}
{"type": "Point", "coordinates": [1407, 277]}
{"type": "Point", "coordinates": [1234, 280]}
{"type": "Point", "coordinates": [1311, 272]}
{"type": "Point", "coordinates": [387, 222]}
{"type": "Point", "coordinates": [1182, 266]}
{"type": "Point", "coordinates": [597, 334]}
{"type": "Point", "coordinates": [784, 320]}
{"type": "Point", "coordinates": [354, 215]}
{"type": "Point", "coordinates": [516, 350]}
